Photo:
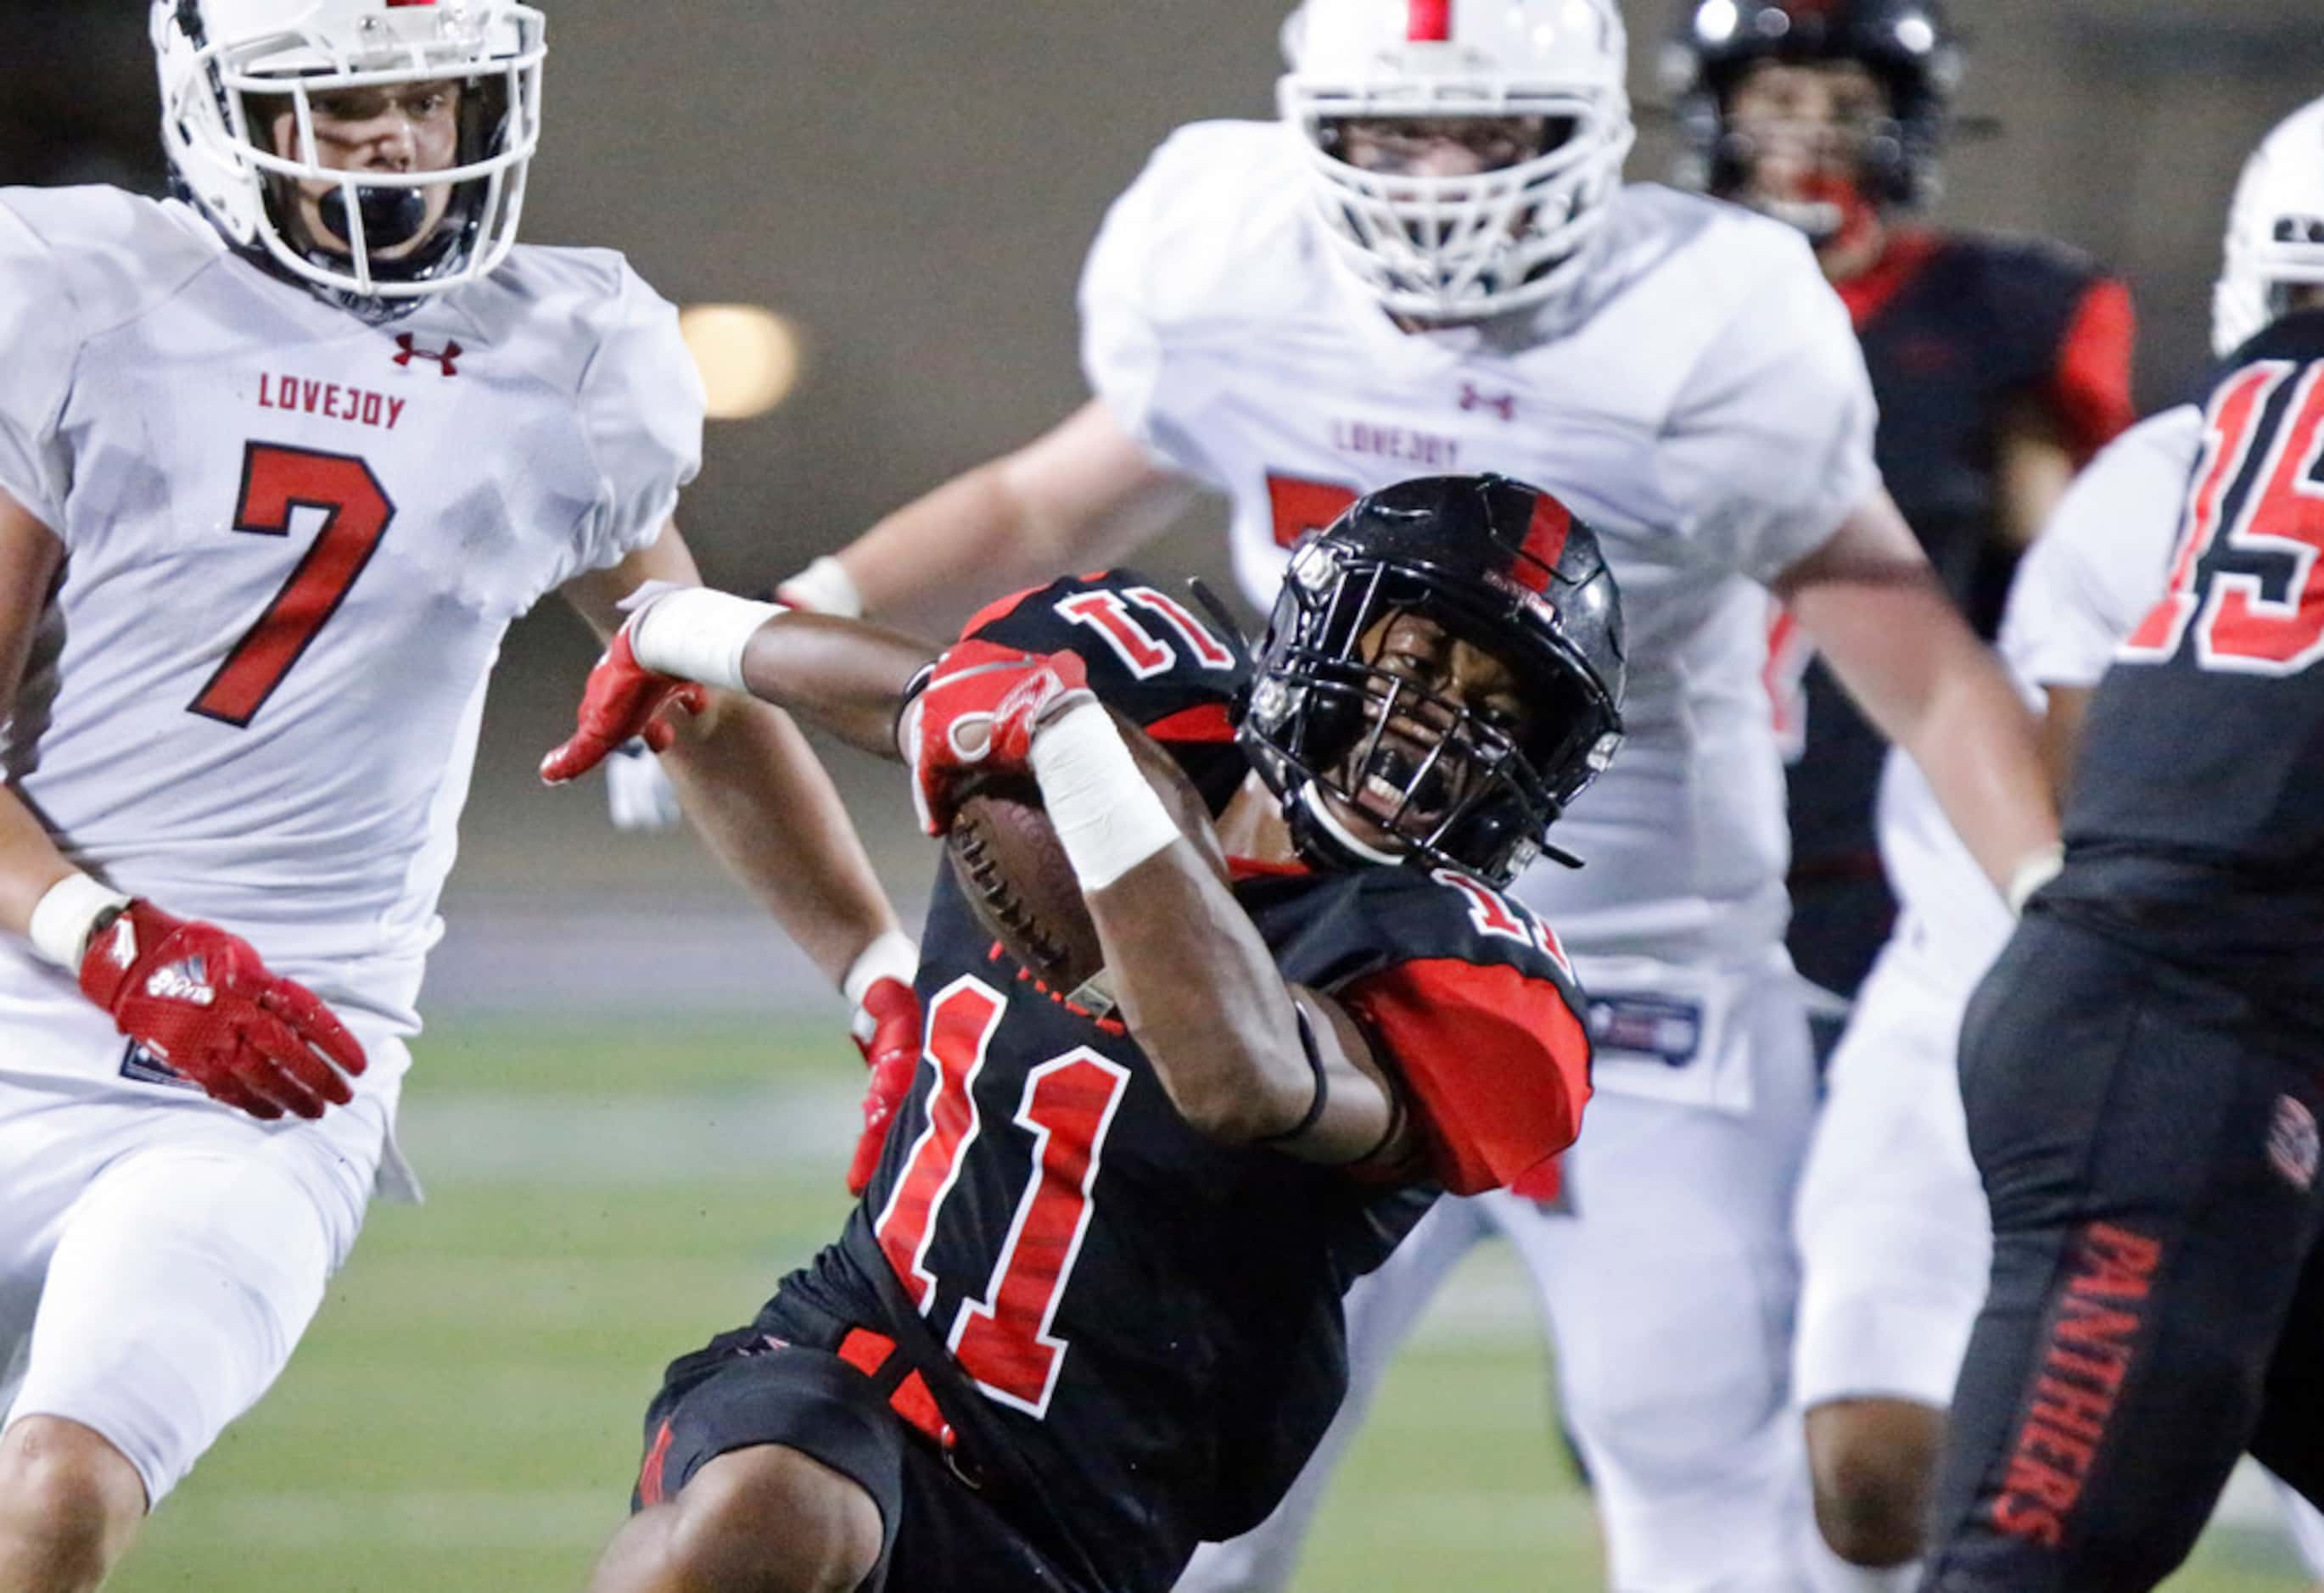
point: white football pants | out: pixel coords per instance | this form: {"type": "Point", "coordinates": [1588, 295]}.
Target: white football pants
{"type": "Point", "coordinates": [161, 1254]}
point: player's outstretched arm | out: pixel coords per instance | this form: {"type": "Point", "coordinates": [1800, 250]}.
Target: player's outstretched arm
{"type": "Point", "coordinates": [193, 995]}
{"type": "Point", "coordinates": [1080, 495]}
{"type": "Point", "coordinates": [1246, 1058]}
{"type": "Point", "coordinates": [744, 772]}
{"type": "Point", "coordinates": [1880, 616]}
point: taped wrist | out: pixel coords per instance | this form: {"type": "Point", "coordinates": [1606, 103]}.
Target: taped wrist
{"type": "Point", "coordinates": [1106, 817]}
{"type": "Point", "coordinates": [2033, 870]}
{"type": "Point", "coordinates": [824, 587]}
{"type": "Point", "coordinates": [67, 914]}
{"type": "Point", "coordinates": [891, 955]}
{"type": "Point", "coordinates": [698, 634]}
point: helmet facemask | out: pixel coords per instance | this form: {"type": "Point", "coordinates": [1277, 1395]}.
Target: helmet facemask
{"type": "Point", "coordinates": [1462, 248]}
{"type": "Point", "coordinates": [1449, 248]}
{"type": "Point", "coordinates": [1376, 764]}
{"type": "Point", "coordinates": [249, 120]}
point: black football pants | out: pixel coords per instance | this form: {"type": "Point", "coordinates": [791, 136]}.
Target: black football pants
{"type": "Point", "coordinates": [2148, 1141]}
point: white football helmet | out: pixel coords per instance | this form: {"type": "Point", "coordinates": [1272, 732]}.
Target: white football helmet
{"type": "Point", "coordinates": [216, 55]}
{"type": "Point", "coordinates": [2276, 230]}
{"type": "Point", "coordinates": [1460, 248]}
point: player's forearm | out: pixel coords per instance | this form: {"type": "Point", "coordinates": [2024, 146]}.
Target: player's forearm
{"type": "Point", "coordinates": [1194, 981]}
{"type": "Point", "coordinates": [1943, 697]}
{"type": "Point", "coordinates": [30, 863]}
{"type": "Point", "coordinates": [969, 540]}
{"type": "Point", "coordinates": [764, 804]}
{"type": "Point", "coordinates": [1082, 494]}
{"type": "Point", "coordinates": [1981, 751]}
{"type": "Point", "coordinates": [842, 676]}
{"type": "Point", "coordinates": [1202, 997]}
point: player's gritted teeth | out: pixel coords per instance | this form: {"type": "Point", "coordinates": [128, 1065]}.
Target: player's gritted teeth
{"type": "Point", "coordinates": [1417, 760]}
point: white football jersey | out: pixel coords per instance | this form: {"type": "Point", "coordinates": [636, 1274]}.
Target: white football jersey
{"type": "Point", "coordinates": [1708, 416]}
{"type": "Point", "coordinates": [293, 541]}
{"type": "Point", "coordinates": [2097, 567]}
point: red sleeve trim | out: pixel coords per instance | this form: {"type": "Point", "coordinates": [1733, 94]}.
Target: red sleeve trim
{"type": "Point", "coordinates": [998, 609]}
{"type": "Point", "coordinates": [1495, 1063]}
{"type": "Point", "coordinates": [2090, 388]}
{"type": "Point", "coordinates": [1205, 722]}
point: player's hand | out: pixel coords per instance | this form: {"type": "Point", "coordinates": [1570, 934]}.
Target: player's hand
{"type": "Point", "coordinates": [622, 699]}
{"type": "Point", "coordinates": [977, 713]}
{"type": "Point", "coordinates": [887, 1031]}
{"type": "Point", "coordinates": [200, 999]}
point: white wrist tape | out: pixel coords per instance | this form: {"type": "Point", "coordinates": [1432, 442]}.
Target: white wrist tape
{"type": "Point", "coordinates": [2033, 870]}
{"type": "Point", "coordinates": [891, 955]}
{"type": "Point", "coordinates": [64, 915]}
{"type": "Point", "coordinates": [698, 634]}
{"type": "Point", "coordinates": [824, 587]}
{"type": "Point", "coordinates": [1107, 817]}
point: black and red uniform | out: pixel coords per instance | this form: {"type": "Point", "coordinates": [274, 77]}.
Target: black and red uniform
{"type": "Point", "coordinates": [2143, 1069]}
{"type": "Point", "coordinates": [1140, 1328]}
{"type": "Point", "coordinates": [1957, 330]}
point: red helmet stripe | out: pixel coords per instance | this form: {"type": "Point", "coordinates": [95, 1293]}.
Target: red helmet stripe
{"type": "Point", "coordinates": [1544, 540]}
{"type": "Point", "coordinates": [1431, 21]}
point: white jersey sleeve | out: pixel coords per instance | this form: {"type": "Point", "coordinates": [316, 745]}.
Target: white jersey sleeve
{"type": "Point", "coordinates": [1148, 284]}
{"type": "Point", "coordinates": [40, 329]}
{"type": "Point", "coordinates": [641, 407]}
{"type": "Point", "coordinates": [2101, 563]}
{"type": "Point", "coordinates": [1770, 447]}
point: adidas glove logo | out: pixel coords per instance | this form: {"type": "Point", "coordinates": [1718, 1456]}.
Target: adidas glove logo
{"type": "Point", "coordinates": [187, 981]}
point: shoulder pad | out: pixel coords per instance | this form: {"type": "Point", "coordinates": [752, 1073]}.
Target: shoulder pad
{"type": "Point", "coordinates": [1151, 652]}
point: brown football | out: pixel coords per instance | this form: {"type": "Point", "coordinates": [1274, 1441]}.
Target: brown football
{"type": "Point", "coordinates": [1011, 867]}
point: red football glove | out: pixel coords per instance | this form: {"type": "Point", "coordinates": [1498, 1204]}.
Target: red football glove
{"type": "Point", "coordinates": [621, 700]}
{"type": "Point", "coordinates": [200, 1000]}
{"type": "Point", "coordinates": [978, 711]}
{"type": "Point", "coordinates": [888, 1032]}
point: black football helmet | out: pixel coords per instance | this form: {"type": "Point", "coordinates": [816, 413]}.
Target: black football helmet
{"type": "Point", "coordinates": [1908, 44]}
{"type": "Point", "coordinates": [1500, 564]}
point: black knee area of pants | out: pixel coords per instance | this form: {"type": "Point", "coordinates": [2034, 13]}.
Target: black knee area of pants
{"type": "Point", "coordinates": [746, 1390]}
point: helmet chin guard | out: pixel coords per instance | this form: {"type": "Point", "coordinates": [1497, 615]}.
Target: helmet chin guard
{"type": "Point", "coordinates": [229, 68]}
{"type": "Point", "coordinates": [2275, 231]}
{"type": "Point", "coordinates": [1373, 766]}
{"type": "Point", "coordinates": [1462, 248]}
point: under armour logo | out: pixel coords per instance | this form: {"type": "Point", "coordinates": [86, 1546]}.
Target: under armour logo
{"type": "Point", "coordinates": [1504, 404]}
{"type": "Point", "coordinates": [412, 351]}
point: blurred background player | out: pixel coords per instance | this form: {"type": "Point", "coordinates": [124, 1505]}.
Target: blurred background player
{"type": "Point", "coordinates": [2001, 365]}
{"type": "Point", "coordinates": [1088, 1313]}
{"type": "Point", "coordinates": [1386, 281]}
{"type": "Point", "coordinates": [278, 464]}
{"type": "Point", "coordinates": [2139, 1068]}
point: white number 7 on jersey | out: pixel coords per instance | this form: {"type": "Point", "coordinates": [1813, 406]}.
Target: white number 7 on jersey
{"type": "Point", "coordinates": [276, 480]}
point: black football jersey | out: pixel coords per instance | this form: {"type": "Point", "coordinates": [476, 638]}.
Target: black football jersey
{"type": "Point", "coordinates": [1955, 328]}
{"type": "Point", "coordinates": [2197, 813]}
{"type": "Point", "coordinates": [1151, 1320]}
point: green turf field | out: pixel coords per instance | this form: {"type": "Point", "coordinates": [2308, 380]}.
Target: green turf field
{"type": "Point", "coordinates": [464, 1414]}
